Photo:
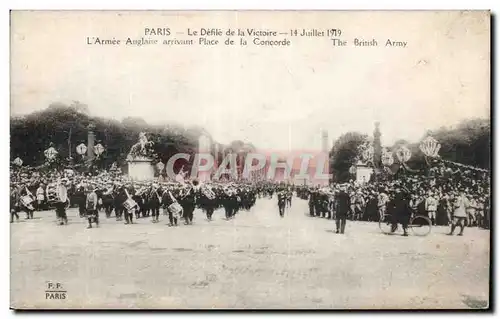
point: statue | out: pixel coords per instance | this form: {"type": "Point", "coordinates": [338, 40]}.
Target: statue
{"type": "Point", "coordinates": [142, 149]}
{"type": "Point", "coordinates": [140, 159]}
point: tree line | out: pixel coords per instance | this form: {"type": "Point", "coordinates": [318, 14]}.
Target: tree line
{"type": "Point", "coordinates": [64, 127]}
{"type": "Point", "coordinates": [467, 143]}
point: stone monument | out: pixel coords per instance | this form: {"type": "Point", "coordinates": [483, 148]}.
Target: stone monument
{"type": "Point", "coordinates": [90, 141]}
{"type": "Point", "coordinates": [140, 159]}
{"type": "Point", "coordinates": [363, 173]}
{"type": "Point", "coordinates": [326, 153]}
{"type": "Point", "coordinates": [204, 148]}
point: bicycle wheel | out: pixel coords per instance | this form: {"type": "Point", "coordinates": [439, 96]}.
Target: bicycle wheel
{"type": "Point", "coordinates": [420, 225]}
{"type": "Point", "coordinates": [385, 224]}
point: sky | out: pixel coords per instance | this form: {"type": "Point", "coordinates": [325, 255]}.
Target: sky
{"type": "Point", "coordinates": [275, 98]}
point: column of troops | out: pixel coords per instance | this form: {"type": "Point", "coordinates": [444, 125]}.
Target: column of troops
{"type": "Point", "coordinates": [371, 202]}
{"type": "Point", "coordinates": [129, 200]}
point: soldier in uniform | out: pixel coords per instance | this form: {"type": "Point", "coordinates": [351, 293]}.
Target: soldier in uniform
{"type": "Point", "coordinates": [29, 209]}
{"type": "Point", "coordinates": [139, 200]}
{"type": "Point", "coordinates": [358, 205]}
{"type": "Point", "coordinates": [62, 202]}
{"type": "Point", "coordinates": [119, 198]}
{"type": "Point", "coordinates": [14, 203]}
{"type": "Point", "coordinates": [107, 200]}
{"type": "Point", "coordinates": [400, 210]}
{"type": "Point", "coordinates": [167, 199]}
{"type": "Point", "coordinates": [80, 198]}
{"type": "Point", "coordinates": [318, 202]}
{"type": "Point", "coordinates": [343, 202]}
{"type": "Point", "coordinates": [129, 213]}
{"type": "Point", "coordinates": [431, 205]}
{"type": "Point", "coordinates": [281, 203]}
{"type": "Point", "coordinates": [188, 202]}
{"type": "Point", "coordinates": [40, 197]}
{"type": "Point", "coordinates": [382, 201]}
{"type": "Point", "coordinates": [154, 203]}
{"type": "Point", "coordinates": [323, 205]}
{"type": "Point", "coordinates": [230, 202]}
{"type": "Point", "coordinates": [91, 203]}
{"type": "Point", "coordinates": [312, 199]}
{"type": "Point", "coordinates": [459, 213]}
{"type": "Point", "coordinates": [208, 204]}
{"type": "Point", "coordinates": [289, 196]}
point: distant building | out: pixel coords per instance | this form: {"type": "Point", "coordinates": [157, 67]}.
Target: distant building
{"type": "Point", "coordinates": [291, 165]}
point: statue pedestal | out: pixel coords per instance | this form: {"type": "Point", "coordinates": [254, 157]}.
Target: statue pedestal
{"type": "Point", "coordinates": [140, 169]}
{"type": "Point", "coordinates": [363, 173]}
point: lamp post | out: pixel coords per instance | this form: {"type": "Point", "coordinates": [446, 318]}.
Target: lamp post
{"type": "Point", "coordinates": [387, 158]}
{"type": "Point", "coordinates": [430, 147]}
{"type": "Point", "coordinates": [50, 153]}
{"type": "Point", "coordinates": [403, 154]}
{"type": "Point", "coordinates": [18, 162]}
{"type": "Point", "coordinates": [99, 149]}
{"type": "Point", "coordinates": [90, 141]}
{"type": "Point", "coordinates": [81, 150]}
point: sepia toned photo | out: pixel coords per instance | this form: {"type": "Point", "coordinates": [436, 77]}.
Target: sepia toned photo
{"type": "Point", "coordinates": [245, 160]}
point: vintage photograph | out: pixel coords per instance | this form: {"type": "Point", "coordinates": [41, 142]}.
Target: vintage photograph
{"type": "Point", "coordinates": [250, 160]}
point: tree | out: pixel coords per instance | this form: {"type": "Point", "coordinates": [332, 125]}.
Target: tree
{"type": "Point", "coordinates": [32, 134]}
{"type": "Point", "coordinates": [344, 154]}
{"type": "Point", "coordinates": [468, 143]}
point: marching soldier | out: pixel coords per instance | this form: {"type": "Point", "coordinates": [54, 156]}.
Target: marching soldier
{"type": "Point", "coordinates": [282, 203]}
{"type": "Point", "coordinates": [431, 205]}
{"type": "Point", "coordinates": [62, 202]}
{"type": "Point", "coordinates": [169, 207]}
{"type": "Point", "coordinates": [14, 204]}
{"type": "Point", "coordinates": [107, 200]}
{"type": "Point", "coordinates": [80, 198]}
{"type": "Point", "coordinates": [382, 201]}
{"type": "Point", "coordinates": [289, 196]}
{"type": "Point", "coordinates": [343, 202]}
{"type": "Point", "coordinates": [129, 214]}
{"type": "Point", "coordinates": [358, 205]}
{"type": "Point", "coordinates": [129, 207]}
{"type": "Point", "coordinates": [459, 213]}
{"type": "Point", "coordinates": [399, 209]}
{"type": "Point", "coordinates": [27, 206]}
{"type": "Point", "coordinates": [119, 198]}
{"type": "Point", "coordinates": [188, 201]}
{"type": "Point", "coordinates": [91, 207]}
{"type": "Point", "coordinates": [140, 202]}
{"type": "Point", "coordinates": [312, 199]}
{"type": "Point", "coordinates": [207, 201]}
{"type": "Point", "coordinates": [154, 203]}
{"type": "Point", "coordinates": [230, 202]}
{"type": "Point", "coordinates": [40, 197]}
{"type": "Point", "coordinates": [324, 201]}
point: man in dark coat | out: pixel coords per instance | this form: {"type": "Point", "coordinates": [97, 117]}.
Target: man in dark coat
{"type": "Point", "coordinates": [188, 202]}
{"type": "Point", "coordinates": [120, 197]}
{"type": "Point", "coordinates": [400, 210]}
{"type": "Point", "coordinates": [312, 201]}
{"type": "Point", "coordinates": [207, 204]}
{"type": "Point", "coordinates": [154, 203]}
{"type": "Point", "coordinates": [343, 201]}
{"type": "Point", "coordinates": [167, 199]}
{"type": "Point", "coordinates": [281, 203]}
{"type": "Point", "coordinates": [80, 198]}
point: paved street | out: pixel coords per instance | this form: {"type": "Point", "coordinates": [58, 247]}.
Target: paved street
{"type": "Point", "coordinates": [257, 260]}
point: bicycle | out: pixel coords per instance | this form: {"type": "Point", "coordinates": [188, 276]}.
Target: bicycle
{"type": "Point", "coordinates": [420, 225]}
